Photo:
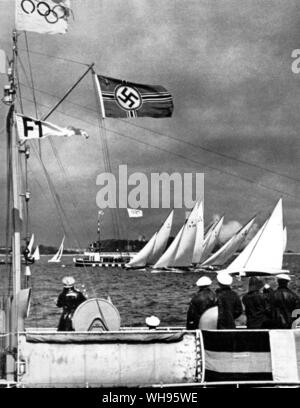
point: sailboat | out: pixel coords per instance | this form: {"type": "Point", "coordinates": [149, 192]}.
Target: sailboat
{"type": "Point", "coordinates": [57, 257]}
{"type": "Point", "coordinates": [168, 256]}
{"type": "Point", "coordinates": [154, 248]}
{"type": "Point", "coordinates": [28, 253]}
{"type": "Point", "coordinates": [33, 255]}
{"type": "Point", "coordinates": [36, 254]}
{"type": "Point", "coordinates": [99, 353]}
{"type": "Point", "coordinates": [179, 256]}
{"type": "Point", "coordinates": [284, 239]}
{"type": "Point", "coordinates": [139, 261]}
{"type": "Point", "coordinates": [226, 251]}
{"type": "Point", "coordinates": [30, 245]}
{"type": "Point", "coordinates": [211, 239]}
{"type": "Point", "coordinates": [199, 240]}
{"type": "Point", "coordinates": [264, 253]}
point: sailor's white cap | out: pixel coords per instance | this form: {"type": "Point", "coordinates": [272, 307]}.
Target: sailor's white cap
{"type": "Point", "coordinates": [68, 281]}
{"type": "Point", "coordinates": [224, 278]}
{"type": "Point", "coordinates": [283, 276]}
{"type": "Point", "coordinates": [152, 321]}
{"type": "Point", "coordinates": [203, 281]}
{"type": "Point", "coordinates": [267, 286]}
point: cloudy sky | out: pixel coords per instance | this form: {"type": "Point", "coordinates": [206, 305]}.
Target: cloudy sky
{"type": "Point", "coordinates": [227, 64]}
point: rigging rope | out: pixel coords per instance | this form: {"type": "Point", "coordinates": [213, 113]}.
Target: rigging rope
{"type": "Point", "coordinates": [206, 149]}
{"type": "Point", "coordinates": [156, 132]}
{"type": "Point", "coordinates": [53, 192]}
{"type": "Point", "coordinates": [18, 86]}
{"type": "Point", "coordinates": [32, 85]}
{"type": "Point", "coordinates": [50, 56]}
{"type": "Point", "coordinates": [27, 225]}
{"type": "Point", "coordinates": [61, 213]}
{"type": "Point", "coordinates": [52, 144]}
{"type": "Point", "coordinates": [8, 207]}
{"type": "Point", "coordinates": [194, 145]}
{"type": "Point", "coordinates": [31, 75]}
{"type": "Point", "coordinates": [55, 152]}
{"type": "Point", "coordinates": [106, 157]}
{"type": "Point", "coordinates": [224, 172]}
{"type": "Point", "coordinates": [25, 176]}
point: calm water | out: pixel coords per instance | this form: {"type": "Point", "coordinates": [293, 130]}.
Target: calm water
{"type": "Point", "coordinates": [135, 294]}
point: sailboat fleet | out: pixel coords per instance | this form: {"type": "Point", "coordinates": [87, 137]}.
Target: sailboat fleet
{"type": "Point", "coordinates": [32, 255]}
{"type": "Point", "coordinates": [192, 251]}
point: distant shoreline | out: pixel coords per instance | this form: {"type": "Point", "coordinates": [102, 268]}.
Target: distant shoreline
{"type": "Point", "coordinates": [81, 252]}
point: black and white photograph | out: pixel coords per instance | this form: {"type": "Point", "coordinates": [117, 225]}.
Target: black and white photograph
{"type": "Point", "coordinates": [150, 197]}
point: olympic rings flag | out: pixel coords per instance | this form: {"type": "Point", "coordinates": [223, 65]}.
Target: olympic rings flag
{"type": "Point", "coordinates": [45, 17]}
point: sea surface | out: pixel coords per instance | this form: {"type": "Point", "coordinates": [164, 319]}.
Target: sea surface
{"type": "Point", "coordinates": [136, 294]}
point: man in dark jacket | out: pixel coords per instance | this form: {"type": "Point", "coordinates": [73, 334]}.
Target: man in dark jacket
{"type": "Point", "coordinates": [203, 300]}
{"type": "Point", "coordinates": [268, 293]}
{"type": "Point", "coordinates": [257, 309]}
{"type": "Point", "coordinates": [285, 302]}
{"type": "Point", "coordinates": [229, 304]}
{"type": "Point", "coordinates": [69, 299]}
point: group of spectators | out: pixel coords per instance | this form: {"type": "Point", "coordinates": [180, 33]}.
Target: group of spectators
{"type": "Point", "coordinates": [264, 307]}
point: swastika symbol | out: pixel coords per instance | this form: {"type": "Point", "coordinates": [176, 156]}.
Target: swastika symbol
{"type": "Point", "coordinates": [128, 97]}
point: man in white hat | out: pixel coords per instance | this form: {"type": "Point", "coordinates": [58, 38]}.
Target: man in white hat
{"type": "Point", "coordinates": [203, 300]}
{"type": "Point", "coordinates": [69, 299]}
{"type": "Point", "coordinates": [285, 301]}
{"type": "Point", "coordinates": [229, 304]}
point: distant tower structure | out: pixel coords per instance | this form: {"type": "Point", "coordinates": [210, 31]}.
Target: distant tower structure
{"type": "Point", "coordinates": [98, 243]}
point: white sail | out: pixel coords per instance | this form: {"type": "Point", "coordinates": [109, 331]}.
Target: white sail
{"type": "Point", "coordinates": [36, 254]}
{"type": "Point", "coordinates": [30, 245]}
{"type": "Point", "coordinates": [185, 249]}
{"type": "Point", "coordinates": [198, 248]}
{"type": "Point", "coordinates": [211, 239]}
{"type": "Point", "coordinates": [168, 256]}
{"type": "Point", "coordinates": [230, 247]}
{"type": "Point", "coordinates": [140, 259]}
{"type": "Point", "coordinates": [284, 238]}
{"type": "Point", "coordinates": [208, 229]}
{"type": "Point", "coordinates": [264, 253]}
{"type": "Point", "coordinates": [240, 261]}
{"type": "Point", "coordinates": [154, 248]}
{"type": "Point", "coordinates": [58, 255]}
{"type": "Point", "coordinates": [161, 240]}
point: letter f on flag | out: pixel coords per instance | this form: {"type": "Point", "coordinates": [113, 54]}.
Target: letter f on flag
{"type": "Point", "coordinates": [31, 128]}
{"type": "Point", "coordinates": [44, 17]}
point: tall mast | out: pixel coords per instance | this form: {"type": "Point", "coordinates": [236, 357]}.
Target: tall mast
{"type": "Point", "coordinates": [9, 99]}
{"type": "Point", "coordinates": [15, 179]}
{"type": "Point", "coordinates": [98, 229]}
